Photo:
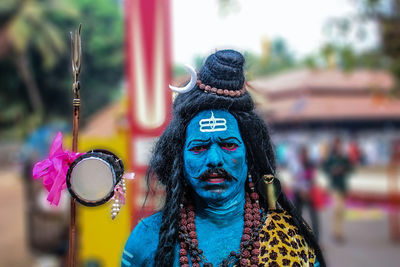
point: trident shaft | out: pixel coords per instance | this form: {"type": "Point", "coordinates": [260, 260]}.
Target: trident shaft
{"type": "Point", "coordinates": [76, 56]}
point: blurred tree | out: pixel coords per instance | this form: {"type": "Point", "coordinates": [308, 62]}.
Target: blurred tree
{"type": "Point", "coordinates": [25, 25]}
{"type": "Point", "coordinates": [345, 57]}
{"type": "Point", "coordinates": [327, 52]}
{"type": "Point", "coordinates": [275, 57]}
{"type": "Point", "coordinates": [385, 14]}
{"type": "Point", "coordinates": [103, 52]}
{"type": "Point", "coordinates": [38, 32]}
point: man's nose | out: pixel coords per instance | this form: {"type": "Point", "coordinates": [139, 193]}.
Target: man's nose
{"type": "Point", "coordinates": [214, 157]}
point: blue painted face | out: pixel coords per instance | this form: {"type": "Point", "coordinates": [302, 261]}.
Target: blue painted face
{"type": "Point", "coordinates": [213, 140]}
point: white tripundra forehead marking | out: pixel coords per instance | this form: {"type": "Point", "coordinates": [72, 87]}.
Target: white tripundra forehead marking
{"type": "Point", "coordinates": [212, 124]}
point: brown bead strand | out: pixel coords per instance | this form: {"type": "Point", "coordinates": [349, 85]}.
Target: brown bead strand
{"type": "Point", "coordinates": [247, 230]}
{"type": "Point", "coordinates": [255, 244]}
{"type": "Point", "coordinates": [248, 248]}
{"type": "Point", "coordinates": [188, 238]}
{"type": "Point", "coordinates": [183, 257]}
{"type": "Point", "coordinates": [195, 252]}
{"type": "Point", "coordinates": [224, 92]}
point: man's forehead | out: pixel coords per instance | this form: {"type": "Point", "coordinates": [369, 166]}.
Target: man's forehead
{"type": "Point", "coordinates": [213, 122]}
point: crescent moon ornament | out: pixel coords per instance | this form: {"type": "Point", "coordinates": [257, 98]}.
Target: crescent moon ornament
{"type": "Point", "coordinates": [190, 85]}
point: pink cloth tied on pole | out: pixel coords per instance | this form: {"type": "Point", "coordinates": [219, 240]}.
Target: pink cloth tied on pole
{"type": "Point", "coordinates": [53, 170]}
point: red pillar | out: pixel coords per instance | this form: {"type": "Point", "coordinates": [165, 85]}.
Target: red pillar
{"type": "Point", "coordinates": [394, 193]}
{"type": "Point", "coordinates": [148, 73]}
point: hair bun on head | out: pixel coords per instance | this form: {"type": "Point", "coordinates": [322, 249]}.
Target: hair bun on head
{"type": "Point", "coordinates": [220, 85]}
{"type": "Point", "coordinates": [224, 70]}
{"type": "Point", "coordinates": [230, 57]}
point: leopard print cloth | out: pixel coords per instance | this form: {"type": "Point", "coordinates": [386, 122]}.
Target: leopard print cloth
{"type": "Point", "coordinates": [282, 244]}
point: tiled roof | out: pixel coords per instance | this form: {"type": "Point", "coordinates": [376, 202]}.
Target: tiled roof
{"type": "Point", "coordinates": [307, 79]}
{"type": "Point", "coordinates": [304, 95]}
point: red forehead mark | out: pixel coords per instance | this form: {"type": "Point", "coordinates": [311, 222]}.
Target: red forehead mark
{"type": "Point", "coordinates": [234, 161]}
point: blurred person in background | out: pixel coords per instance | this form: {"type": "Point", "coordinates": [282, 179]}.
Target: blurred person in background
{"type": "Point", "coordinates": [304, 177]}
{"type": "Point", "coordinates": [338, 167]}
{"type": "Point", "coordinates": [354, 152]}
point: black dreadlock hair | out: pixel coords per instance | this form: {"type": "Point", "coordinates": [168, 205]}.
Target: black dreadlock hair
{"type": "Point", "coordinates": [224, 69]}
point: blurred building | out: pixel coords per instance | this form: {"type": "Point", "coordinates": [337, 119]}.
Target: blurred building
{"type": "Point", "coordinates": [312, 106]}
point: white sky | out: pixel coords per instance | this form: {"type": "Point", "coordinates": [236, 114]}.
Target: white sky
{"type": "Point", "coordinates": [199, 28]}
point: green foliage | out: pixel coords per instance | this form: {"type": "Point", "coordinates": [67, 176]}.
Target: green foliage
{"type": "Point", "coordinates": [30, 27]}
{"type": "Point", "coordinates": [346, 58]}
{"type": "Point", "coordinates": [278, 58]}
{"type": "Point", "coordinates": [38, 31]}
{"type": "Point", "coordinates": [102, 45]}
{"type": "Point", "coordinates": [386, 15]}
{"type": "Point", "coordinates": [179, 70]}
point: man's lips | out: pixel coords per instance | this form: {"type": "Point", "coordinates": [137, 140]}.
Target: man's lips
{"type": "Point", "coordinates": [214, 178]}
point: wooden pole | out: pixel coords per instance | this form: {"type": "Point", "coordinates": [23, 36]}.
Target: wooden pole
{"type": "Point", "coordinates": [76, 51]}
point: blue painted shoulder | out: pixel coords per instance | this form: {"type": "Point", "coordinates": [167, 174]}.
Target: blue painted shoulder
{"type": "Point", "coordinates": [142, 243]}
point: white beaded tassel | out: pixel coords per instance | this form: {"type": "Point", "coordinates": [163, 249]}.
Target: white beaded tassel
{"type": "Point", "coordinates": [116, 206]}
{"type": "Point", "coordinates": [123, 185]}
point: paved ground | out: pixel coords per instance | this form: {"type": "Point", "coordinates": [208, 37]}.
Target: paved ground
{"type": "Point", "coordinates": [13, 249]}
{"type": "Point", "coordinates": [367, 243]}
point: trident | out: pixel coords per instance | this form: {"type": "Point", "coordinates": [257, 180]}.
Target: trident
{"type": "Point", "coordinates": [76, 55]}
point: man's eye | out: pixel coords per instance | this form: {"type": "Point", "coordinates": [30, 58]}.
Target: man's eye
{"type": "Point", "coordinates": [198, 149]}
{"type": "Point", "coordinates": [229, 146]}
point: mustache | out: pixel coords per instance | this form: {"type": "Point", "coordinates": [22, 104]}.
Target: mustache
{"type": "Point", "coordinates": [221, 172]}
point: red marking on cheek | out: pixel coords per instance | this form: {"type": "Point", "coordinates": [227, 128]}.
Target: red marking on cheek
{"type": "Point", "coordinates": [234, 161]}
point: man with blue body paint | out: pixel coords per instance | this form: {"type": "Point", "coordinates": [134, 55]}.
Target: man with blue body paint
{"type": "Point", "coordinates": [211, 159]}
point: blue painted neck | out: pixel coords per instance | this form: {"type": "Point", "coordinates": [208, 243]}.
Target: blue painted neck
{"type": "Point", "coordinates": [221, 212]}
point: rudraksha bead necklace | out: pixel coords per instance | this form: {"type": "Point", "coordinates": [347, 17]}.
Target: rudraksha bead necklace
{"type": "Point", "coordinates": [224, 92]}
{"type": "Point", "coordinates": [249, 244]}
